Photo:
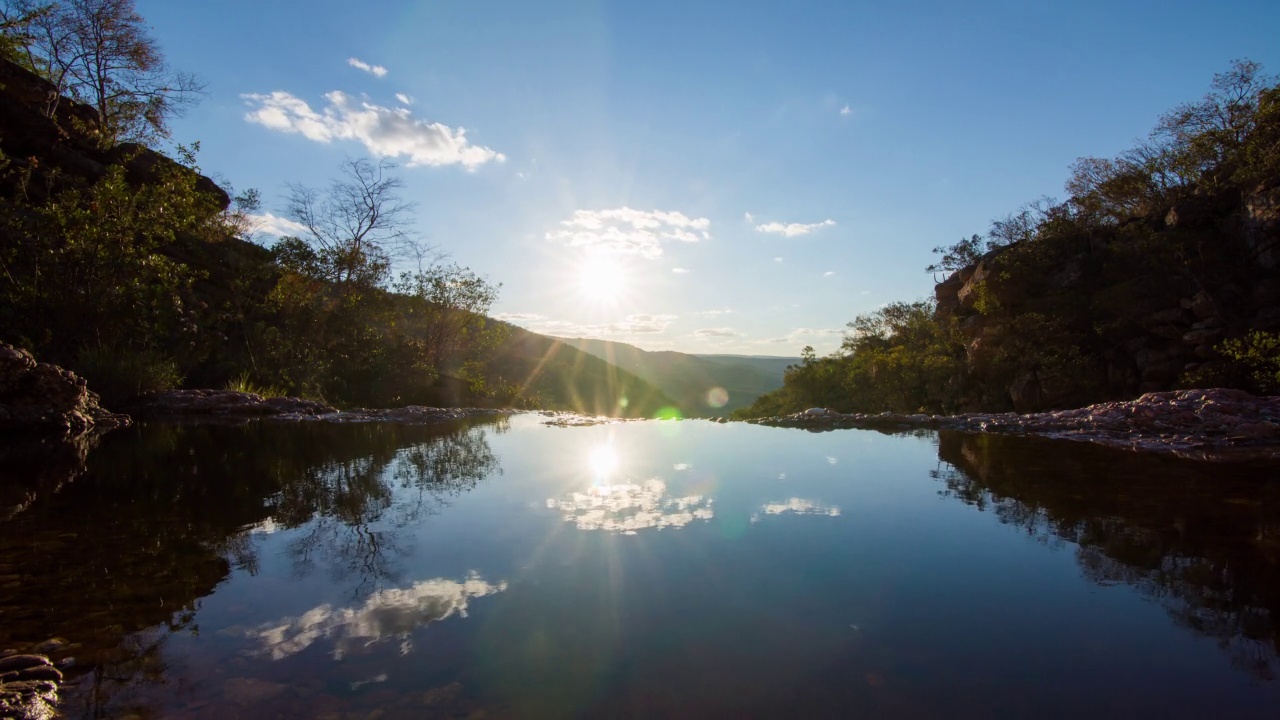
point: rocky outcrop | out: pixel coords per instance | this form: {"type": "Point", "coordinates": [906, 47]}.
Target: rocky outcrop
{"type": "Point", "coordinates": [28, 687]}
{"type": "Point", "coordinates": [40, 398]}
{"type": "Point", "coordinates": [1214, 424]}
{"type": "Point", "coordinates": [227, 404]}
{"type": "Point", "coordinates": [53, 152]}
{"type": "Point", "coordinates": [241, 406]}
{"type": "Point", "coordinates": [1262, 223]}
{"type": "Point", "coordinates": [1151, 328]}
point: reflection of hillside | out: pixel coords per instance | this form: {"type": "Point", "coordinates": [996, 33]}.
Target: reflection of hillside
{"type": "Point", "coordinates": [1203, 540]}
{"type": "Point", "coordinates": [162, 513]}
{"type": "Point", "coordinates": [630, 507]}
{"type": "Point", "coordinates": [391, 613]}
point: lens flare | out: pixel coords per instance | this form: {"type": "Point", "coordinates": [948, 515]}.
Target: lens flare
{"type": "Point", "coordinates": [717, 397]}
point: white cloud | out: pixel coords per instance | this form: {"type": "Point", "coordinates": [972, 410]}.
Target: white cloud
{"type": "Point", "coordinates": [721, 332]}
{"type": "Point", "coordinates": [798, 506]}
{"type": "Point", "coordinates": [680, 271]}
{"type": "Point", "coordinates": [394, 612]}
{"type": "Point", "coordinates": [793, 229]}
{"type": "Point", "coordinates": [638, 324]}
{"type": "Point", "coordinates": [374, 70]}
{"type": "Point", "coordinates": [748, 217]}
{"type": "Point", "coordinates": [865, 292]}
{"type": "Point", "coordinates": [404, 99]}
{"type": "Point", "coordinates": [628, 231]}
{"type": "Point", "coordinates": [517, 317]}
{"type": "Point", "coordinates": [629, 507]}
{"type": "Point", "coordinates": [269, 224]}
{"type": "Point", "coordinates": [713, 313]}
{"type": "Point", "coordinates": [681, 466]}
{"type": "Point", "coordinates": [798, 335]}
{"type": "Point", "coordinates": [829, 273]}
{"type": "Point", "coordinates": [846, 110]}
{"type": "Point", "coordinates": [384, 132]}
{"type": "Point", "coordinates": [777, 259]}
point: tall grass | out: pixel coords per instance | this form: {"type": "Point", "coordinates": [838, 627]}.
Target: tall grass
{"type": "Point", "coordinates": [118, 374]}
{"type": "Point", "coordinates": [245, 384]}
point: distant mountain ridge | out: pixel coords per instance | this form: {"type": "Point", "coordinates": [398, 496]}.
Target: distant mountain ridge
{"type": "Point", "coordinates": [692, 381]}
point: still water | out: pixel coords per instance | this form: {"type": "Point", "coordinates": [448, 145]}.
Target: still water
{"type": "Point", "coordinates": [658, 569]}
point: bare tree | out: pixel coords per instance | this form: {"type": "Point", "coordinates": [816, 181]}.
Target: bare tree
{"type": "Point", "coordinates": [101, 52]}
{"type": "Point", "coordinates": [357, 225]}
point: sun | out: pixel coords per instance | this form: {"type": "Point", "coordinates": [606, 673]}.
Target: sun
{"type": "Point", "coordinates": [602, 279]}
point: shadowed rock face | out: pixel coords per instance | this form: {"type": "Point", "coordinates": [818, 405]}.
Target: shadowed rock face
{"type": "Point", "coordinates": [40, 398]}
{"type": "Point", "coordinates": [67, 147]}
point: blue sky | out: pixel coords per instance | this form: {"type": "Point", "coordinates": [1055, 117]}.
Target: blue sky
{"type": "Point", "coordinates": [707, 177]}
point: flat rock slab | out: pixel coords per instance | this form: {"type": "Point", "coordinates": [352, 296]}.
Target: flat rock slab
{"type": "Point", "coordinates": [231, 405]}
{"type": "Point", "coordinates": [223, 403]}
{"type": "Point", "coordinates": [1209, 424]}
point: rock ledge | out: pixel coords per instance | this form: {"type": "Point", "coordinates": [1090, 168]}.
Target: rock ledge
{"type": "Point", "coordinates": [1211, 424]}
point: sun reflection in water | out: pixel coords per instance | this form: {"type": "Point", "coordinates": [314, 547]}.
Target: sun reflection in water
{"type": "Point", "coordinates": [603, 461]}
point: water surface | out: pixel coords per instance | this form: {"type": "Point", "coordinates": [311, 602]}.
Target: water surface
{"type": "Point", "coordinates": [675, 569]}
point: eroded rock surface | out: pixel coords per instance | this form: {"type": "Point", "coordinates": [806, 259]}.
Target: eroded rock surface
{"type": "Point", "coordinates": [40, 398]}
{"type": "Point", "coordinates": [28, 687]}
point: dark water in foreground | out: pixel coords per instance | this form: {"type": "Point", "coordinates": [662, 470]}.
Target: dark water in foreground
{"type": "Point", "coordinates": [642, 570]}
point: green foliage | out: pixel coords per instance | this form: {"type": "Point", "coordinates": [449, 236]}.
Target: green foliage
{"type": "Point", "coordinates": [119, 374]}
{"type": "Point", "coordinates": [1259, 353]}
{"type": "Point", "coordinates": [99, 52]}
{"type": "Point", "coordinates": [91, 264]}
{"type": "Point", "coordinates": [959, 256]}
{"type": "Point", "coordinates": [1056, 294]}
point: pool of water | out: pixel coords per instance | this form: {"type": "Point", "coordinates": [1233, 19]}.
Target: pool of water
{"type": "Point", "coordinates": [656, 569]}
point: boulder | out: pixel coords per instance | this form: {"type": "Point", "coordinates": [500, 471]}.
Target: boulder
{"type": "Point", "coordinates": [40, 398]}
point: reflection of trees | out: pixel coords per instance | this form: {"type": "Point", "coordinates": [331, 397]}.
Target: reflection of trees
{"type": "Point", "coordinates": [162, 513]}
{"type": "Point", "coordinates": [353, 510]}
{"type": "Point", "coordinates": [1201, 539]}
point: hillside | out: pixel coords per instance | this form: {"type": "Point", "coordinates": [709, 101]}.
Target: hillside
{"type": "Point", "coordinates": [139, 273]}
{"type": "Point", "coordinates": [690, 380]}
{"type": "Point", "coordinates": [1160, 271]}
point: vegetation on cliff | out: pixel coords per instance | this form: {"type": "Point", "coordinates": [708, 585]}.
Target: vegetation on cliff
{"type": "Point", "coordinates": [140, 274]}
{"type": "Point", "coordinates": [1159, 271]}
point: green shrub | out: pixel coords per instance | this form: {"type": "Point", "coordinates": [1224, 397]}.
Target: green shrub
{"type": "Point", "coordinates": [118, 374]}
{"type": "Point", "coordinates": [1259, 354]}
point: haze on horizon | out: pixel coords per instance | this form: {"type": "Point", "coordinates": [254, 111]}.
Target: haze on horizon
{"type": "Point", "coordinates": [689, 177]}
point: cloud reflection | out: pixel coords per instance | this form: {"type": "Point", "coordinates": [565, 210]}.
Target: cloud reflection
{"type": "Point", "coordinates": [395, 612]}
{"type": "Point", "coordinates": [797, 506]}
{"type": "Point", "coordinates": [629, 507]}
